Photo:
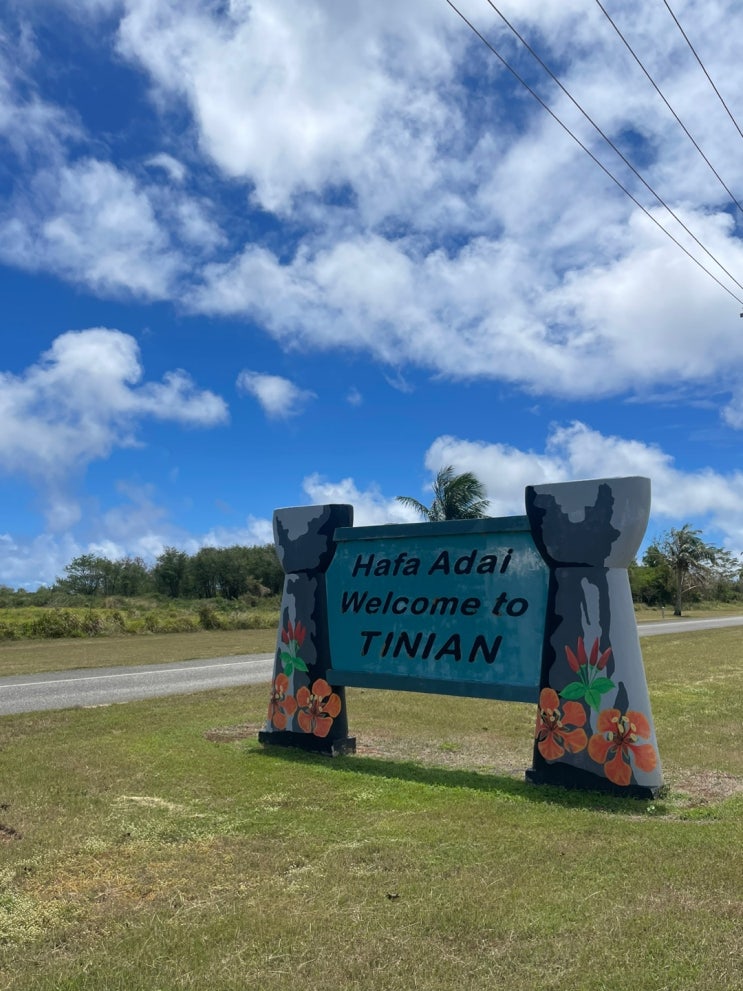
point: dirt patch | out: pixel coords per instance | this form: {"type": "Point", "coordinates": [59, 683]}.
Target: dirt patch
{"type": "Point", "coordinates": [8, 834]}
{"type": "Point", "coordinates": [230, 734]}
{"type": "Point", "coordinates": [463, 755]}
{"type": "Point", "coordinates": [700, 786]}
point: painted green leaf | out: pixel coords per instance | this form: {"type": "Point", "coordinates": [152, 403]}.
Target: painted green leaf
{"type": "Point", "coordinates": [286, 658]}
{"type": "Point", "coordinates": [299, 664]}
{"type": "Point", "coordinates": [602, 685]}
{"type": "Point", "coordinates": [574, 691]}
{"type": "Point", "coordinates": [593, 698]}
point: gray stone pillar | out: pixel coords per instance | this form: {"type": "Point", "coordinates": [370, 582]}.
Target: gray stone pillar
{"type": "Point", "coordinates": [594, 724]}
{"type": "Point", "coordinates": [305, 710]}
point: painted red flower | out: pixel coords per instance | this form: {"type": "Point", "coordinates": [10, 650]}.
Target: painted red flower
{"type": "Point", "coordinates": [579, 659]}
{"type": "Point", "coordinates": [318, 707]}
{"type": "Point", "coordinates": [616, 747]}
{"type": "Point", "coordinates": [281, 706]}
{"type": "Point", "coordinates": [591, 683]}
{"type": "Point", "coordinates": [292, 635]}
{"type": "Point", "coordinates": [558, 726]}
{"type": "Point", "coordinates": [294, 632]}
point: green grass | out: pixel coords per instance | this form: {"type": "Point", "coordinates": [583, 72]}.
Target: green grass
{"type": "Point", "coordinates": [156, 845]}
{"type": "Point", "coordinates": [33, 656]}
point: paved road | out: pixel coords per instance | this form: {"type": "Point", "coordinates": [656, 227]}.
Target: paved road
{"type": "Point", "coordinates": [686, 625]}
{"type": "Point", "coordinates": [101, 686]}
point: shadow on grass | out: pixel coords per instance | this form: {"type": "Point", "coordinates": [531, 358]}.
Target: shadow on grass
{"type": "Point", "coordinates": [446, 777]}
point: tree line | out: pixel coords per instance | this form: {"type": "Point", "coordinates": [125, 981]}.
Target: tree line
{"type": "Point", "coordinates": [210, 573]}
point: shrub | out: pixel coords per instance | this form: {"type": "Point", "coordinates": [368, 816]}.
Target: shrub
{"type": "Point", "coordinates": [209, 619]}
{"type": "Point", "coordinates": [55, 623]}
{"type": "Point", "coordinates": [9, 632]}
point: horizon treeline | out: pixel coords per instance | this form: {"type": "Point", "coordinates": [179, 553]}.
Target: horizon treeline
{"type": "Point", "coordinates": [210, 573]}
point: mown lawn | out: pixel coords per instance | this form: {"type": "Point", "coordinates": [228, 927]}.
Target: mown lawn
{"type": "Point", "coordinates": [155, 845]}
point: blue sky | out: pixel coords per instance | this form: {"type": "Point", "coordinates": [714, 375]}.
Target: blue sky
{"type": "Point", "coordinates": [266, 254]}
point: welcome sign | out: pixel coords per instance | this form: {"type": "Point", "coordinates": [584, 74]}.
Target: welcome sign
{"type": "Point", "coordinates": [533, 608]}
{"type": "Point", "coordinates": [453, 608]}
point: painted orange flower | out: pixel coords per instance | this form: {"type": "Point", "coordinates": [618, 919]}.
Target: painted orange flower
{"type": "Point", "coordinates": [558, 726]}
{"type": "Point", "coordinates": [318, 707]}
{"type": "Point", "coordinates": [281, 706]}
{"type": "Point", "coordinates": [616, 747]}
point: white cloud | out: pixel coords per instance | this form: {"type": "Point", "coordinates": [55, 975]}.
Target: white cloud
{"type": "Point", "coordinates": [91, 223]}
{"type": "Point", "coordinates": [371, 507]}
{"type": "Point", "coordinates": [255, 531]}
{"type": "Point", "coordinates": [175, 170]}
{"type": "Point", "coordinates": [296, 96]}
{"type": "Point", "coordinates": [130, 526]}
{"type": "Point", "coordinates": [82, 399]}
{"type": "Point", "coordinates": [279, 397]}
{"type": "Point", "coordinates": [490, 311]}
{"type": "Point", "coordinates": [29, 124]}
{"type": "Point", "coordinates": [504, 470]}
{"type": "Point", "coordinates": [28, 564]}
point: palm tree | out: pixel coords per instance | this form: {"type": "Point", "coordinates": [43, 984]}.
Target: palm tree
{"type": "Point", "coordinates": [689, 558]}
{"type": "Point", "coordinates": [455, 497]}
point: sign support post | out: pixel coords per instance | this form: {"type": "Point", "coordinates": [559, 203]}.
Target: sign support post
{"type": "Point", "coordinates": [594, 724]}
{"type": "Point", "coordinates": [305, 709]}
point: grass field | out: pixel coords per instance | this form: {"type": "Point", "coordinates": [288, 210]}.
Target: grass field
{"type": "Point", "coordinates": [32, 656]}
{"type": "Point", "coordinates": [155, 845]}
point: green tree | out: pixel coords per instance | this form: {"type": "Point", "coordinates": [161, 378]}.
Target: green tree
{"type": "Point", "coordinates": [263, 565]}
{"type": "Point", "coordinates": [171, 573]}
{"type": "Point", "coordinates": [204, 569]}
{"type": "Point", "coordinates": [92, 575]}
{"type": "Point", "coordinates": [127, 576]}
{"type": "Point", "coordinates": [232, 572]}
{"type": "Point", "coordinates": [85, 575]}
{"type": "Point", "coordinates": [455, 497]}
{"type": "Point", "coordinates": [652, 582]}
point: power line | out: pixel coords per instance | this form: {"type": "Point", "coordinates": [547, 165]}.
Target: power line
{"type": "Point", "coordinates": [612, 145]}
{"type": "Point", "coordinates": [704, 70]}
{"type": "Point", "coordinates": [660, 94]}
{"type": "Point", "coordinates": [591, 155]}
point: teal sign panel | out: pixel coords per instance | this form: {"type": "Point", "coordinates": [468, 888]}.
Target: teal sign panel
{"type": "Point", "coordinates": [454, 608]}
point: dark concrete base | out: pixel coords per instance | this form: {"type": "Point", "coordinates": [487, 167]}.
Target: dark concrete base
{"type": "Point", "coordinates": [308, 742]}
{"type": "Point", "coordinates": [564, 776]}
